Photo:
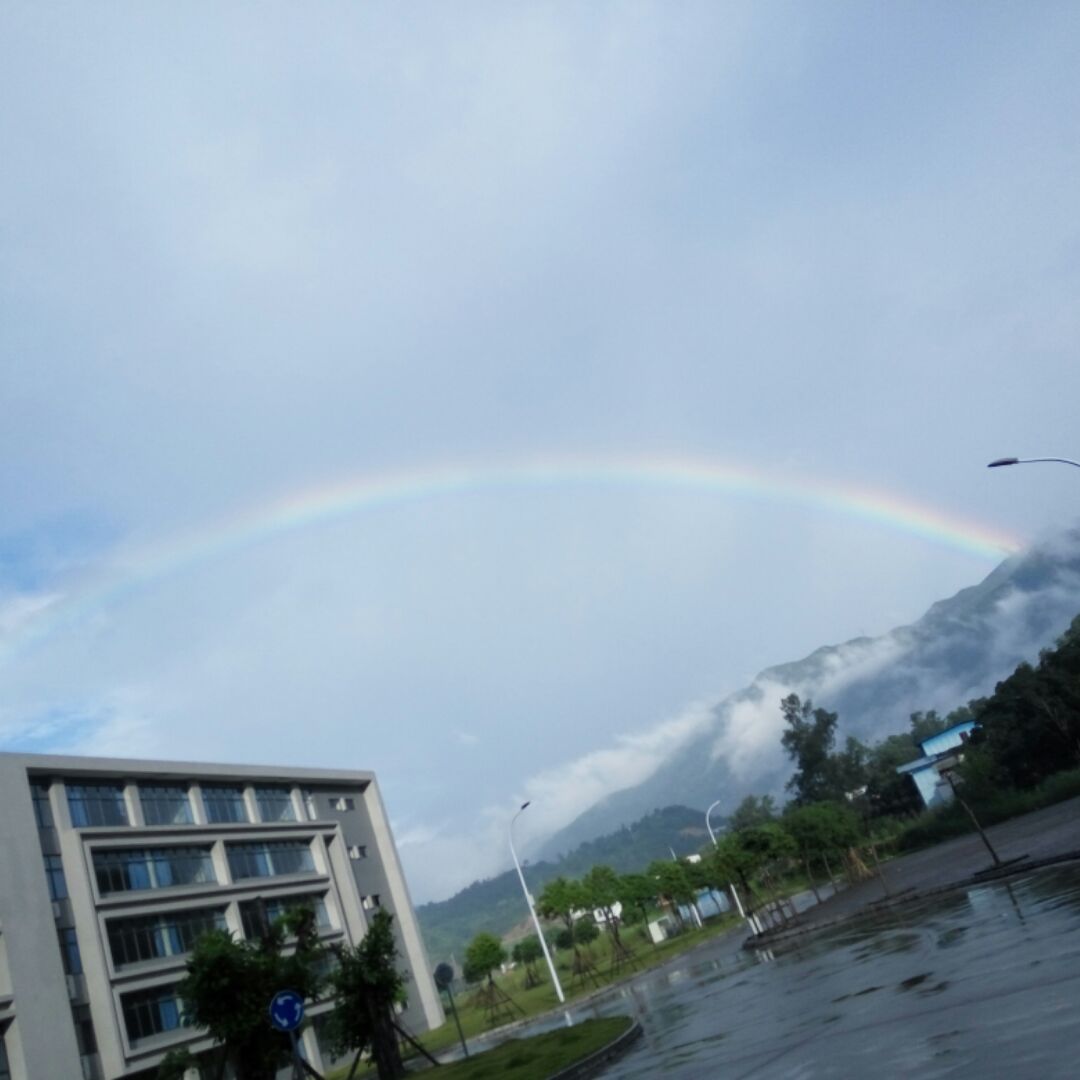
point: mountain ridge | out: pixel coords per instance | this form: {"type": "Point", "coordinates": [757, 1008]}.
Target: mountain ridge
{"type": "Point", "coordinates": [956, 651]}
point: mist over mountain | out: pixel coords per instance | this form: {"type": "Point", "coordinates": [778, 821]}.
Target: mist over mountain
{"type": "Point", "coordinates": [957, 651]}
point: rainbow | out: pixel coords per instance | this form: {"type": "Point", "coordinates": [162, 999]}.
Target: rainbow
{"type": "Point", "coordinates": [374, 492]}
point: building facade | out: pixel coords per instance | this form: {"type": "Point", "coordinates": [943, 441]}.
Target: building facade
{"type": "Point", "coordinates": [110, 869]}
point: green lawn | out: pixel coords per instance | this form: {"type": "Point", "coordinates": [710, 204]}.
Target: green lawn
{"type": "Point", "coordinates": [541, 999]}
{"type": "Point", "coordinates": [540, 1056]}
{"type": "Point", "coordinates": [533, 1058]}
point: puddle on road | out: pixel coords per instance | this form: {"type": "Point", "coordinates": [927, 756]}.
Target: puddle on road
{"type": "Point", "coordinates": [977, 983]}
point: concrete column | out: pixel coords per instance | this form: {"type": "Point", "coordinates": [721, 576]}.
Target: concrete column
{"type": "Point", "coordinates": [250, 803]}
{"type": "Point", "coordinates": [220, 862]}
{"type": "Point", "coordinates": [134, 805]}
{"type": "Point", "coordinates": [198, 807]}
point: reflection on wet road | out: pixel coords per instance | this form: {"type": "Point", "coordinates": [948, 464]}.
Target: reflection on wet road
{"type": "Point", "coordinates": [983, 982]}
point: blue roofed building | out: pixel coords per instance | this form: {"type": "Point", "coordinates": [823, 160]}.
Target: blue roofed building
{"type": "Point", "coordinates": [940, 753]}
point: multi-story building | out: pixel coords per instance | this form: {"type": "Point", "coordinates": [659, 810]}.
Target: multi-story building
{"type": "Point", "coordinates": [110, 869]}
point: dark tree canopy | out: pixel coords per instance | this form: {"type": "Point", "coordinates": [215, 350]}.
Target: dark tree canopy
{"type": "Point", "coordinates": [368, 986]}
{"type": "Point", "coordinates": [230, 984]}
{"type": "Point", "coordinates": [808, 738]}
{"type": "Point", "coordinates": [484, 954]}
{"type": "Point", "coordinates": [753, 811]}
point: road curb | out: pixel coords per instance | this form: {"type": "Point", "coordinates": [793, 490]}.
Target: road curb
{"type": "Point", "coordinates": [600, 1059]}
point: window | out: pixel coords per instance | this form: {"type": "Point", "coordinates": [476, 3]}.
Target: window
{"type": "Point", "coordinates": [130, 869]}
{"type": "Point", "coordinates": [39, 792]}
{"type": "Point", "coordinates": [270, 859]}
{"type": "Point", "coordinates": [152, 937]}
{"type": "Point", "coordinates": [342, 802]}
{"type": "Point", "coordinates": [5, 1069]}
{"type": "Point", "coordinates": [275, 804]}
{"type": "Point", "coordinates": [151, 1012]}
{"type": "Point", "coordinates": [164, 804]}
{"type": "Point", "coordinates": [274, 907]}
{"type": "Point", "coordinates": [69, 951]}
{"type": "Point", "coordinates": [357, 851]}
{"type": "Point", "coordinates": [54, 874]}
{"type": "Point", "coordinates": [370, 903]}
{"type": "Point", "coordinates": [96, 804]}
{"type": "Point", "coordinates": [224, 803]}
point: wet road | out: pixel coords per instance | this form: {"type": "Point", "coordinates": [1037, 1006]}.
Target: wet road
{"type": "Point", "coordinates": [983, 982]}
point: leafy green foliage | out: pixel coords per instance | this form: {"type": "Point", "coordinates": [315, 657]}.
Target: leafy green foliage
{"type": "Point", "coordinates": [585, 931]}
{"type": "Point", "coordinates": [753, 811]}
{"type": "Point", "coordinates": [497, 904]}
{"type": "Point", "coordinates": [808, 738]}
{"type": "Point", "coordinates": [527, 951]}
{"type": "Point", "coordinates": [230, 984]}
{"type": "Point", "coordinates": [1030, 725]}
{"type": "Point", "coordinates": [822, 828]}
{"type": "Point", "coordinates": [367, 986]}
{"type": "Point", "coordinates": [484, 954]}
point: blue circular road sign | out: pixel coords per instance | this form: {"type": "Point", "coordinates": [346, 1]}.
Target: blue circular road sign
{"type": "Point", "coordinates": [287, 1010]}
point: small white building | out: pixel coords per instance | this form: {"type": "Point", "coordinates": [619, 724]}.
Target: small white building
{"type": "Point", "coordinates": [940, 753]}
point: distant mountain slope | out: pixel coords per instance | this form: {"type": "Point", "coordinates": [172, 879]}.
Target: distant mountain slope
{"type": "Point", "coordinates": [497, 904]}
{"type": "Point", "coordinates": [957, 651]}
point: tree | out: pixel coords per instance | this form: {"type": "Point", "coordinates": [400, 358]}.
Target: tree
{"type": "Point", "coordinates": [484, 954]}
{"type": "Point", "coordinates": [560, 899]}
{"type": "Point", "coordinates": [887, 791]}
{"type": "Point", "coordinates": [602, 887]}
{"type": "Point", "coordinates": [367, 986]}
{"type": "Point", "coordinates": [673, 885]}
{"type": "Point", "coordinates": [821, 829]}
{"type": "Point", "coordinates": [753, 811]}
{"type": "Point", "coordinates": [230, 984]}
{"type": "Point", "coordinates": [637, 892]}
{"type": "Point", "coordinates": [585, 931]}
{"type": "Point", "coordinates": [1030, 725]}
{"type": "Point", "coordinates": [527, 952]}
{"type": "Point", "coordinates": [809, 736]}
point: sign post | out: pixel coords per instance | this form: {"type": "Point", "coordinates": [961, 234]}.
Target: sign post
{"type": "Point", "coordinates": [444, 976]}
{"type": "Point", "coordinates": [287, 1014]}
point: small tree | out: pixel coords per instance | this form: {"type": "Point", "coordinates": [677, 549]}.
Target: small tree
{"type": "Point", "coordinates": [819, 830]}
{"type": "Point", "coordinates": [367, 986]}
{"type": "Point", "coordinates": [672, 885]}
{"type": "Point", "coordinates": [527, 952]}
{"type": "Point", "coordinates": [229, 987]}
{"type": "Point", "coordinates": [585, 932]}
{"type": "Point", "coordinates": [484, 954]}
{"type": "Point", "coordinates": [752, 811]}
{"type": "Point", "coordinates": [602, 886]}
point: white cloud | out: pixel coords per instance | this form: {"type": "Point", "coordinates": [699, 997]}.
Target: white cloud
{"type": "Point", "coordinates": [442, 860]}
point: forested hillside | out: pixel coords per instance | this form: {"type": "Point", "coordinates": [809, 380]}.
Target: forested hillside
{"type": "Point", "coordinates": [497, 905]}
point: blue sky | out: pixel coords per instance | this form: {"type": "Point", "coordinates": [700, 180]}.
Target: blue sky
{"type": "Point", "coordinates": [247, 251]}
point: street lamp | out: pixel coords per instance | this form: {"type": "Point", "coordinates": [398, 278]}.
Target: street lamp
{"type": "Point", "coordinates": [998, 462]}
{"type": "Point", "coordinates": [712, 835]}
{"type": "Point", "coordinates": [731, 884]}
{"type": "Point", "coordinates": [532, 910]}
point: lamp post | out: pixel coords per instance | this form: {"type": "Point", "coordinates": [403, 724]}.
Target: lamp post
{"type": "Point", "coordinates": [712, 835]}
{"type": "Point", "coordinates": [532, 910]}
{"type": "Point", "coordinates": [998, 462]}
{"type": "Point", "coordinates": [731, 884]}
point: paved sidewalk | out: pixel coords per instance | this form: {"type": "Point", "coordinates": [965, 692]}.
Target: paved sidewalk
{"type": "Point", "coordinates": [1041, 835]}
